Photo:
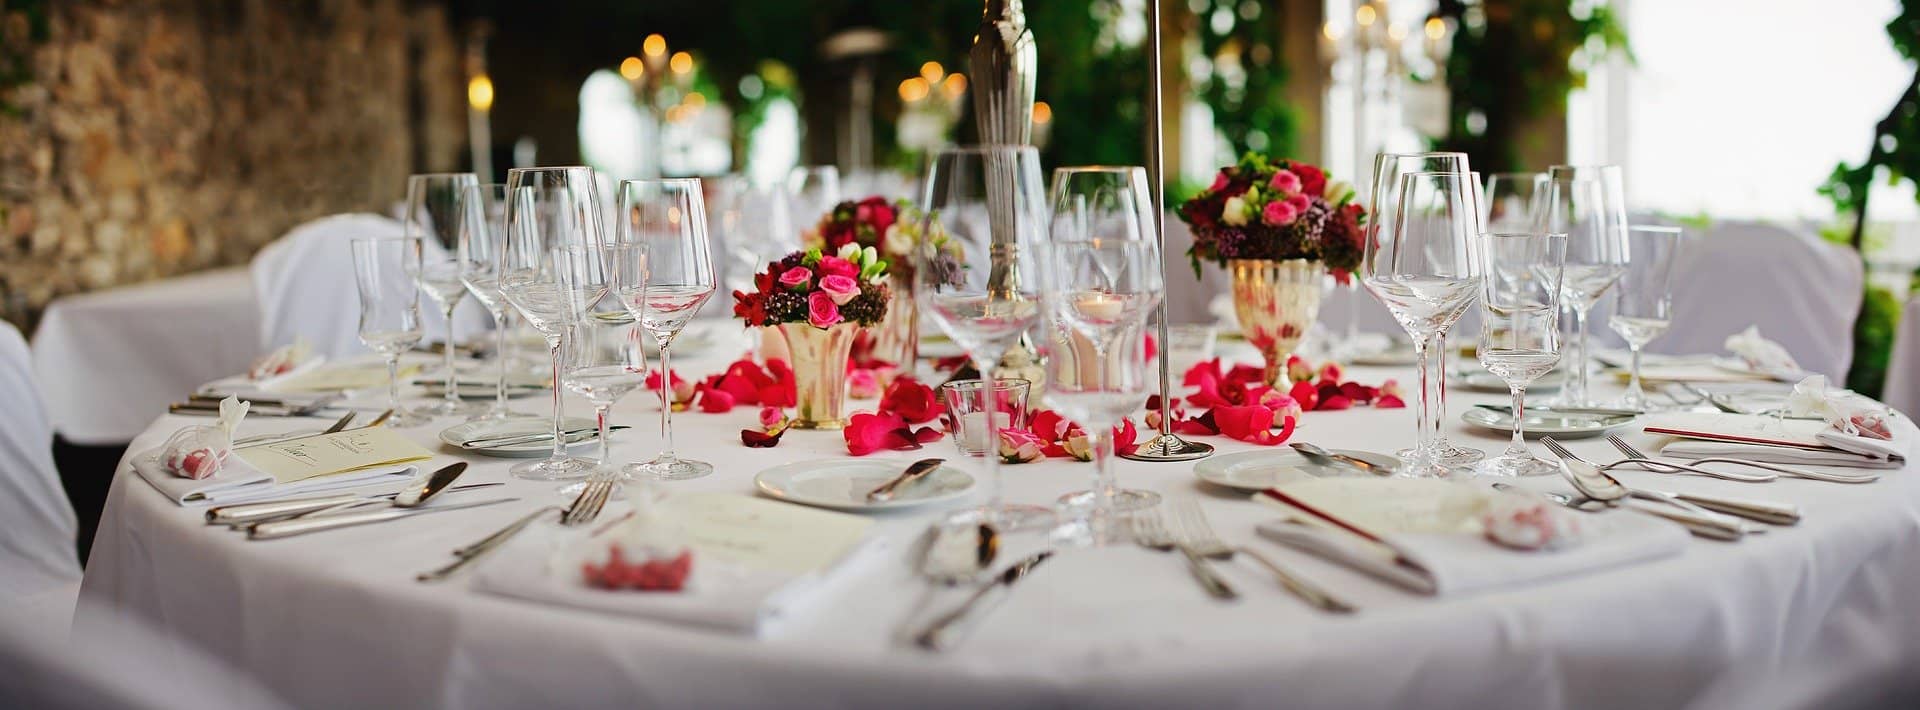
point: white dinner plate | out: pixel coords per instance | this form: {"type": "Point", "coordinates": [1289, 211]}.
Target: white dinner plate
{"type": "Point", "coordinates": [1260, 470]}
{"type": "Point", "coordinates": [1568, 425]}
{"type": "Point", "coordinates": [843, 484]}
{"type": "Point", "coordinates": [454, 435]}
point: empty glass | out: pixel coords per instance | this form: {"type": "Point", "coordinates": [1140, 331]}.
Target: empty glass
{"type": "Point", "coordinates": [389, 308]}
{"type": "Point", "coordinates": [482, 254]}
{"type": "Point", "coordinates": [445, 207]}
{"type": "Point", "coordinates": [1426, 268]}
{"type": "Point", "coordinates": [1588, 204]}
{"type": "Point", "coordinates": [548, 209]}
{"type": "Point", "coordinates": [1383, 203]}
{"type": "Point", "coordinates": [968, 407]}
{"type": "Point", "coordinates": [1520, 330]}
{"type": "Point", "coordinates": [667, 219]}
{"type": "Point", "coordinates": [977, 271]}
{"type": "Point", "coordinates": [1643, 300]}
{"type": "Point", "coordinates": [603, 363]}
{"type": "Point", "coordinates": [1510, 201]}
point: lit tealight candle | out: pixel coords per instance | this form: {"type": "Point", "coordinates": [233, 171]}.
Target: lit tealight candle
{"type": "Point", "coordinates": [974, 428]}
{"type": "Point", "coordinates": [1099, 306]}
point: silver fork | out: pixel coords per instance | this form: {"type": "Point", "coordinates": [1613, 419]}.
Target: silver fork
{"type": "Point", "coordinates": [584, 508]}
{"type": "Point", "coordinates": [1636, 457]}
{"type": "Point", "coordinates": [1561, 451]}
{"type": "Point", "coordinates": [1192, 527]}
{"type": "Point", "coordinates": [1694, 465]}
{"type": "Point", "coordinates": [1151, 532]}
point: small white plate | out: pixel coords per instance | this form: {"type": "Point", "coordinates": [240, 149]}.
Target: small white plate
{"type": "Point", "coordinates": [1546, 423]}
{"type": "Point", "coordinates": [843, 484]}
{"type": "Point", "coordinates": [1260, 470]}
{"type": "Point", "coordinates": [454, 435]}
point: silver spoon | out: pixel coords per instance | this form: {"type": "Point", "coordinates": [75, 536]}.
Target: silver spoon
{"type": "Point", "coordinates": [413, 496]}
{"type": "Point", "coordinates": [1328, 458]}
{"type": "Point", "coordinates": [1598, 485]}
{"type": "Point", "coordinates": [916, 471]}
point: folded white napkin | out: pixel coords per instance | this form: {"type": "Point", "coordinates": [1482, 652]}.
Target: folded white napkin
{"type": "Point", "coordinates": [1764, 356]}
{"type": "Point", "coordinates": [238, 482]}
{"type": "Point", "coordinates": [1460, 563]}
{"type": "Point", "coordinates": [535, 567]}
{"type": "Point", "coordinates": [1848, 451]}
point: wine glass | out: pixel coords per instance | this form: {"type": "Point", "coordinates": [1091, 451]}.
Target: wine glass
{"type": "Point", "coordinates": [482, 255]}
{"type": "Point", "coordinates": [811, 190]}
{"type": "Point", "coordinates": [444, 207]}
{"type": "Point", "coordinates": [977, 274]}
{"type": "Point", "coordinates": [1510, 201]}
{"type": "Point", "coordinates": [1101, 294]}
{"type": "Point", "coordinates": [1383, 203]}
{"type": "Point", "coordinates": [383, 271]}
{"type": "Point", "coordinates": [548, 209]}
{"type": "Point", "coordinates": [1520, 330]}
{"type": "Point", "coordinates": [1643, 301]}
{"type": "Point", "coordinates": [1426, 268]}
{"type": "Point", "coordinates": [602, 363]}
{"type": "Point", "coordinates": [1586, 203]}
{"type": "Point", "coordinates": [667, 220]}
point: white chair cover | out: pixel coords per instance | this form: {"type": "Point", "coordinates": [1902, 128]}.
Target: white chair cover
{"type": "Point", "coordinates": [1903, 368]}
{"type": "Point", "coordinates": [39, 569]}
{"type": "Point", "coordinates": [305, 286]}
{"type": "Point", "coordinates": [1801, 292]}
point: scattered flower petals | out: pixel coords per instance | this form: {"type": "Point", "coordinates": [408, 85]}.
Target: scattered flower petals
{"type": "Point", "coordinates": [659, 574]}
{"type": "Point", "coordinates": [1017, 446]}
{"type": "Point", "coordinates": [914, 402]}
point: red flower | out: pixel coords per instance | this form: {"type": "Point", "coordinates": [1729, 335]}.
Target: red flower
{"type": "Point", "coordinates": [836, 266]}
{"type": "Point", "coordinates": [1313, 180]}
{"type": "Point", "coordinates": [914, 402]}
{"type": "Point", "coordinates": [868, 432]}
{"type": "Point", "coordinates": [778, 390]}
{"type": "Point", "coordinates": [1306, 394]}
{"type": "Point", "coordinates": [1251, 423]}
{"type": "Point", "coordinates": [879, 214]}
{"type": "Point", "coordinates": [750, 307]}
{"type": "Point", "coordinates": [1124, 436]}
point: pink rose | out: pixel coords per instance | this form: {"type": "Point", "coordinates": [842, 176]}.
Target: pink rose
{"type": "Point", "coordinates": [836, 266]}
{"type": "Point", "coordinates": [1286, 182]}
{"type": "Point", "coordinates": [1219, 181]}
{"type": "Point", "coordinates": [1019, 446]}
{"type": "Point", "coordinates": [796, 278]}
{"type": "Point", "coordinates": [1278, 214]}
{"type": "Point", "coordinates": [771, 416]}
{"type": "Point", "coordinates": [840, 288]}
{"type": "Point", "coordinates": [822, 312]}
{"type": "Point", "coordinates": [1300, 203]}
{"type": "Point", "coordinates": [863, 384]}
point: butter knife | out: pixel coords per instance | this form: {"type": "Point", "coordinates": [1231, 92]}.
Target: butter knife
{"type": "Point", "coordinates": [952, 626]}
{"type": "Point", "coordinates": [301, 526]}
{"type": "Point", "coordinates": [1761, 510]}
{"type": "Point", "coordinates": [915, 472]}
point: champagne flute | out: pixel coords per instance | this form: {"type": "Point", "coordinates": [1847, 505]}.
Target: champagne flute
{"type": "Point", "coordinates": [389, 308]}
{"type": "Point", "coordinates": [1643, 301]}
{"type": "Point", "coordinates": [1102, 292]}
{"type": "Point", "coordinates": [1520, 330]}
{"type": "Point", "coordinates": [1383, 202]}
{"type": "Point", "coordinates": [667, 219]}
{"type": "Point", "coordinates": [548, 209]}
{"type": "Point", "coordinates": [601, 364]}
{"type": "Point", "coordinates": [1426, 268]}
{"type": "Point", "coordinates": [1586, 203]}
{"type": "Point", "coordinates": [977, 275]}
{"type": "Point", "coordinates": [443, 207]}
{"type": "Point", "coordinates": [482, 256]}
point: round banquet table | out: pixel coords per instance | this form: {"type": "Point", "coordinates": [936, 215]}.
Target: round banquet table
{"type": "Point", "coordinates": [1813, 612]}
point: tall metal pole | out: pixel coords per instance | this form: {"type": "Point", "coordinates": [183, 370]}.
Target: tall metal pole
{"type": "Point", "coordinates": [1167, 446]}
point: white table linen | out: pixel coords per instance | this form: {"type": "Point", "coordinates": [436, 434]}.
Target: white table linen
{"type": "Point", "coordinates": [338, 620]}
{"type": "Point", "coordinates": [108, 360]}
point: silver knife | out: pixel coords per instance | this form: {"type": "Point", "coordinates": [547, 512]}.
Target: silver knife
{"type": "Point", "coordinates": [950, 628]}
{"type": "Point", "coordinates": [1762, 510]}
{"type": "Point", "coordinates": [300, 526]}
{"type": "Point", "coordinates": [574, 436]}
{"type": "Point", "coordinates": [915, 472]}
{"type": "Point", "coordinates": [243, 513]}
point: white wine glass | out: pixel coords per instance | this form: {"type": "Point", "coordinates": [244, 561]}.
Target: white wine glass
{"type": "Point", "coordinates": [548, 209]}
{"type": "Point", "coordinates": [1643, 299]}
{"type": "Point", "coordinates": [1426, 268]}
{"type": "Point", "coordinates": [482, 255]}
{"type": "Point", "coordinates": [667, 220]}
{"type": "Point", "coordinates": [443, 207]}
{"type": "Point", "coordinates": [1588, 204]}
{"type": "Point", "coordinates": [978, 276]}
{"type": "Point", "coordinates": [1382, 206]}
{"type": "Point", "coordinates": [390, 308]}
{"type": "Point", "coordinates": [1520, 331]}
{"type": "Point", "coordinates": [602, 365]}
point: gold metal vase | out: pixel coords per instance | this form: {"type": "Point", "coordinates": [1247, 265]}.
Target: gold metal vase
{"type": "Point", "coordinates": [897, 338]}
{"type": "Point", "coordinates": [819, 359]}
{"type": "Point", "coordinates": [1276, 302]}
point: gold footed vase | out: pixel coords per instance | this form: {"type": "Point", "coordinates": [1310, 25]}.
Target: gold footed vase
{"type": "Point", "coordinates": [1276, 302]}
{"type": "Point", "coordinates": [897, 338]}
{"type": "Point", "coordinates": [819, 359]}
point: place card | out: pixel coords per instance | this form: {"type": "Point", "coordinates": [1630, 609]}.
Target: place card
{"type": "Point", "coordinates": [323, 454]}
{"type": "Point", "coordinates": [764, 534]}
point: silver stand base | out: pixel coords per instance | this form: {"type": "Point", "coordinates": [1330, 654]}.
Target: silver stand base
{"type": "Point", "coordinates": [1169, 447]}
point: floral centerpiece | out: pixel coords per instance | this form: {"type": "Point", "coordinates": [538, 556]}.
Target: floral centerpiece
{"type": "Point", "coordinates": [818, 302]}
{"type": "Point", "coordinates": [890, 228]}
{"type": "Point", "coordinates": [1276, 226]}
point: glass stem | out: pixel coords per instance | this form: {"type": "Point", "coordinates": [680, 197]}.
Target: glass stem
{"type": "Point", "coordinates": [600, 420]}
{"type": "Point", "coordinates": [500, 353]}
{"type": "Point", "coordinates": [393, 382]}
{"type": "Point", "coordinates": [1105, 489]}
{"type": "Point", "coordinates": [993, 437]}
{"type": "Point", "coordinates": [1577, 384]}
{"type": "Point", "coordinates": [559, 435]}
{"type": "Point", "coordinates": [1443, 359]}
{"type": "Point", "coordinates": [1423, 352]}
{"type": "Point", "coordinates": [452, 397]}
{"type": "Point", "coordinates": [1636, 397]}
{"type": "Point", "coordinates": [666, 402]}
{"type": "Point", "coordinates": [1519, 446]}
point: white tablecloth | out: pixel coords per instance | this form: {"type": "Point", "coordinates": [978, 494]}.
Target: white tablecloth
{"type": "Point", "coordinates": [336, 620]}
{"type": "Point", "coordinates": [108, 360]}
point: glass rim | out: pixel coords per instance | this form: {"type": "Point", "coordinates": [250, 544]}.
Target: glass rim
{"type": "Point", "coordinates": [1423, 154]}
{"type": "Point", "coordinates": [1517, 173]}
{"type": "Point", "coordinates": [1437, 173]}
{"type": "Point", "coordinates": [1122, 169]}
{"type": "Point", "coordinates": [660, 181]}
{"type": "Point", "coordinates": [547, 169]}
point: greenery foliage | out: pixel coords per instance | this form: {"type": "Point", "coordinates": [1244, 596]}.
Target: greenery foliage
{"type": "Point", "coordinates": [23, 24]}
{"type": "Point", "coordinates": [1513, 62]}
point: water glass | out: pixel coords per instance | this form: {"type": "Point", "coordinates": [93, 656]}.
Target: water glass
{"type": "Point", "coordinates": [1520, 330]}
{"type": "Point", "coordinates": [548, 211]}
{"type": "Point", "coordinates": [968, 408]}
{"type": "Point", "coordinates": [1643, 300]}
{"type": "Point", "coordinates": [667, 221]}
{"type": "Point", "coordinates": [1588, 204]}
{"type": "Point", "coordinates": [443, 207]}
{"type": "Point", "coordinates": [389, 308]}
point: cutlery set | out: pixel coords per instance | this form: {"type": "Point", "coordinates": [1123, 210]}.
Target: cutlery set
{"type": "Point", "coordinates": [268, 520]}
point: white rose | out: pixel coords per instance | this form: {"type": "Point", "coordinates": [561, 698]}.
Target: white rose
{"type": "Point", "coordinates": [897, 241]}
{"type": "Point", "coordinates": [849, 251]}
{"type": "Point", "coordinates": [1235, 212]}
{"type": "Point", "coordinates": [1339, 192]}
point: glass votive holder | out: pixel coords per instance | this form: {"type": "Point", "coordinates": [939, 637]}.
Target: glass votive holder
{"type": "Point", "coordinates": [1189, 345]}
{"type": "Point", "coordinates": [968, 410]}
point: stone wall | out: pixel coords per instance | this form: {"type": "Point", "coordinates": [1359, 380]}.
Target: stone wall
{"type": "Point", "coordinates": [165, 136]}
